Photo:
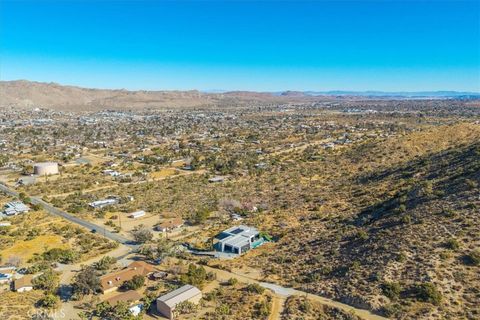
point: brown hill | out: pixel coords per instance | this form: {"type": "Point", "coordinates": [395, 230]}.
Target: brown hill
{"type": "Point", "coordinates": [28, 94]}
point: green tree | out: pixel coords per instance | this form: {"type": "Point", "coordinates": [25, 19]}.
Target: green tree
{"type": "Point", "coordinates": [118, 312]}
{"type": "Point", "coordinates": [47, 281]}
{"type": "Point", "coordinates": [195, 276]}
{"type": "Point", "coordinates": [135, 283]}
{"type": "Point", "coordinates": [391, 290]}
{"type": "Point", "coordinates": [105, 263]}
{"type": "Point", "coordinates": [86, 282]}
{"type": "Point", "coordinates": [141, 234]}
{"type": "Point", "coordinates": [49, 301]}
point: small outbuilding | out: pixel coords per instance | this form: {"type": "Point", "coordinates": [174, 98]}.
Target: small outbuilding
{"type": "Point", "coordinates": [137, 214]}
{"type": "Point", "coordinates": [23, 284]}
{"type": "Point", "coordinates": [166, 304]}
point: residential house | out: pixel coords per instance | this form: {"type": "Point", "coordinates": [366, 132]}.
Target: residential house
{"type": "Point", "coordinates": [14, 208]}
{"type": "Point", "coordinates": [103, 203]}
{"type": "Point", "coordinates": [23, 284]}
{"type": "Point", "coordinates": [6, 274]}
{"type": "Point", "coordinates": [170, 224]}
{"type": "Point", "coordinates": [238, 239]}
{"type": "Point", "coordinates": [166, 304]}
{"type": "Point", "coordinates": [131, 297]}
{"type": "Point", "coordinates": [112, 281]}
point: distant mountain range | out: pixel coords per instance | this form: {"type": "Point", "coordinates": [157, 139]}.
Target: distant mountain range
{"type": "Point", "coordinates": [28, 94]}
{"type": "Point", "coordinates": [412, 94]}
{"type": "Point", "coordinates": [404, 94]}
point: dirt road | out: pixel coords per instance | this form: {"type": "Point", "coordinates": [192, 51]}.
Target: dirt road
{"type": "Point", "coordinates": [284, 292]}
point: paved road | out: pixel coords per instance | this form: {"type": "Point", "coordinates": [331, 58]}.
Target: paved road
{"type": "Point", "coordinates": [87, 224]}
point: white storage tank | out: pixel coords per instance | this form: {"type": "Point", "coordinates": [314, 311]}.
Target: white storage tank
{"type": "Point", "coordinates": [45, 168]}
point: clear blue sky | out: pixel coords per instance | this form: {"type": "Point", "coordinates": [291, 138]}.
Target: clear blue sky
{"type": "Point", "coordinates": [244, 45]}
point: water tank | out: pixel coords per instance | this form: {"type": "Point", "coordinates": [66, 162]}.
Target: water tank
{"type": "Point", "coordinates": [45, 168]}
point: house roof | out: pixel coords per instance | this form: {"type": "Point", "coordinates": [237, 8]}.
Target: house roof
{"type": "Point", "coordinates": [171, 223]}
{"type": "Point", "coordinates": [25, 281]}
{"type": "Point", "coordinates": [181, 294]}
{"type": "Point", "coordinates": [129, 296]}
{"type": "Point", "coordinates": [148, 268]}
{"type": "Point", "coordinates": [237, 236]}
{"type": "Point", "coordinates": [116, 279]}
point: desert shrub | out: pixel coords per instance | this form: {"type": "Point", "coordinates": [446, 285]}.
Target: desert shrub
{"type": "Point", "coordinates": [391, 310]}
{"type": "Point", "coordinates": [255, 288]}
{"type": "Point", "coordinates": [222, 309]}
{"type": "Point", "coordinates": [185, 307]}
{"type": "Point", "coordinates": [427, 292]}
{"type": "Point", "coordinates": [49, 301]}
{"type": "Point", "coordinates": [452, 244]}
{"type": "Point", "coordinates": [473, 257]}
{"type": "Point", "coordinates": [262, 309]}
{"type": "Point", "coordinates": [135, 283]}
{"type": "Point", "coordinates": [232, 281]}
{"type": "Point", "coordinates": [47, 281]}
{"type": "Point", "coordinates": [105, 263]}
{"type": "Point", "coordinates": [60, 255]}
{"type": "Point", "coordinates": [362, 235]}
{"type": "Point", "coordinates": [391, 290]}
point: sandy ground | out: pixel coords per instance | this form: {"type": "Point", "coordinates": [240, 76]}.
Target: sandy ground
{"type": "Point", "coordinates": [277, 308]}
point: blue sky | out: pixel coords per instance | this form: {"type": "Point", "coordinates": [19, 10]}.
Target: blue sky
{"type": "Point", "coordinates": [244, 45]}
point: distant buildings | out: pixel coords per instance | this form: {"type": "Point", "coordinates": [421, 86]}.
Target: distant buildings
{"type": "Point", "coordinates": [110, 172]}
{"type": "Point", "coordinates": [104, 203]}
{"type": "Point", "coordinates": [14, 208]}
{"type": "Point", "coordinates": [238, 240]}
{"type": "Point", "coordinates": [166, 304]}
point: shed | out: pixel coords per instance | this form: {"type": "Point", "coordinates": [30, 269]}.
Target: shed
{"type": "Point", "coordinates": [166, 304]}
{"type": "Point", "coordinates": [137, 214]}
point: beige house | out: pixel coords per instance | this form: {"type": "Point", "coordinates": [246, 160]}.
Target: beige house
{"type": "Point", "coordinates": [23, 284]}
{"type": "Point", "coordinates": [131, 297]}
{"type": "Point", "coordinates": [170, 224]}
{"type": "Point", "coordinates": [166, 304]}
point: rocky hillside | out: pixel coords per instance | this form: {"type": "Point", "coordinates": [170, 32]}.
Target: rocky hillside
{"type": "Point", "coordinates": [390, 226]}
